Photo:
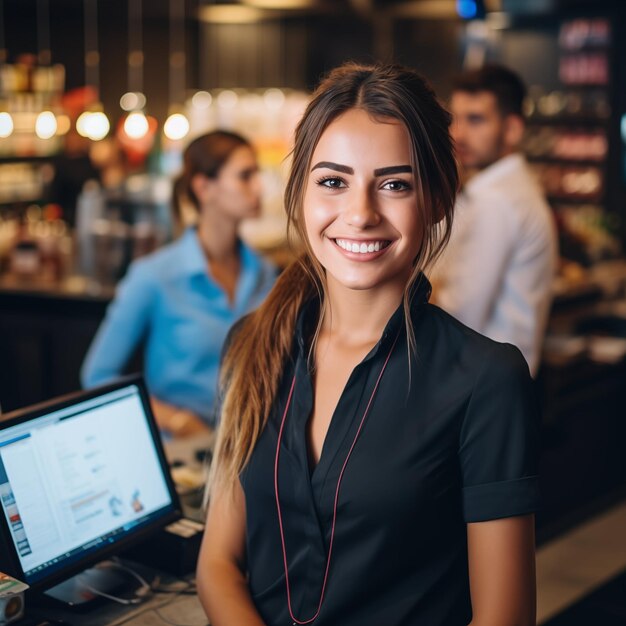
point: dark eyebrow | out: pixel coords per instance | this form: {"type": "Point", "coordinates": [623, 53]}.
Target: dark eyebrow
{"type": "Point", "coordinates": [333, 166]}
{"type": "Point", "coordinates": [382, 171]}
{"type": "Point", "coordinates": [394, 169]}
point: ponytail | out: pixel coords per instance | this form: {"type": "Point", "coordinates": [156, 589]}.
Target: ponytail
{"type": "Point", "coordinates": [179, 189]}
{"type": "Point", "coordinates": [252, 369]}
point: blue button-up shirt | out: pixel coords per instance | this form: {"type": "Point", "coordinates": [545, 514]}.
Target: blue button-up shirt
{"type": "Point", "coordinates": [169, 302]}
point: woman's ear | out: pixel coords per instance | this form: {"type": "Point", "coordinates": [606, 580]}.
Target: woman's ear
{"type": "Point", "coordinates": [203, 188]}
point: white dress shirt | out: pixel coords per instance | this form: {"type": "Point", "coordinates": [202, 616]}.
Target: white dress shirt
{"type": "Point", "coordinates": [496, 274]}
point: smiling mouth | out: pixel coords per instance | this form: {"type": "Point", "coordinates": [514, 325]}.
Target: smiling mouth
{"type": "Point", "coordinates": [363, 247]}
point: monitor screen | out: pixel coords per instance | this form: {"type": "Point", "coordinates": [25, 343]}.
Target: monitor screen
{"type": "Point", "coordinates": [79, 477]}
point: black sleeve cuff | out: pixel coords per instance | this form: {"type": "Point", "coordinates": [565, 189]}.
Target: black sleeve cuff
{"type": "Point", "coordinates": [502, 499]}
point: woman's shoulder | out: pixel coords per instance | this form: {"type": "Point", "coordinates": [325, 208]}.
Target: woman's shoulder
{"type": "Point", "coordinates": [458, 344]}
{"type": "Point", "coordinates": [161, 263]}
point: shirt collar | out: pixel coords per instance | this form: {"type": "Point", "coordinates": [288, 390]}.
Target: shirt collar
{"type": "Point", "coordinates": [501, 168]}
{"type": "Point", "coordinates": [307, 318]}
{"type": "Point", "coordinates": [193, 258]}
{"type": "Point", "coordinates": [420, 294]}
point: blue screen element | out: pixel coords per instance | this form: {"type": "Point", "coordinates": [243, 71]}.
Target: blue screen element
{"type": "Point", "coordinates": [467, 9]}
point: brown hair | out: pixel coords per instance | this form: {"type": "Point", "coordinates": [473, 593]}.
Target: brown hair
{"type": "Point", "coordinates": [254, 362]}
{"type": "Point", "coordinates": [204, 155]}
{"type": "Point", "coordinates": [503, 83]}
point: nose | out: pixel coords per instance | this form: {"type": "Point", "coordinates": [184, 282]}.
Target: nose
{"type": "Point", "coordinates": [256, 184]}
{"type": "Point", "coordinates": [361, 210]}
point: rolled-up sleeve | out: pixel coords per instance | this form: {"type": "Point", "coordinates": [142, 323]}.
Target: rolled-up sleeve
{"type": "Point", "coordinates": [499, 440]}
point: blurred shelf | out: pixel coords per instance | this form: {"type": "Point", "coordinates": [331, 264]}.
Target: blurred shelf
{"type": "Point", "coordinates": [586, 121]}
{"type": "Point", "coordinates": [552, 199]}
{"type": "Point", "coordinates": [588, 47]}
{"type": "Point", "coordinates": [77, 288]}
{"type": "Point", "coordinates": [600, 163]}
{"type": "Point", "coordinates": [585, 86]}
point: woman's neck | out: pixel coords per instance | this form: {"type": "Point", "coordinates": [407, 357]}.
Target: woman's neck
{"type": "Point", "coordinates": [358, 317]}
{"type": "Point", "coordinates": [218, 237]}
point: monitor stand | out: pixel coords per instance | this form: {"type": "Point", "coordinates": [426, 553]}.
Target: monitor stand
{"type": "Point", "coordinates": [105, 580]}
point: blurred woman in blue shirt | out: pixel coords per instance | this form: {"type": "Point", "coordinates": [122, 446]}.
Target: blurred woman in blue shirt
{"type": "Point", "coordinates": [180, 301]}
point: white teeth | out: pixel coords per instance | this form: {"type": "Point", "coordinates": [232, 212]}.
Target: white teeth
{"type": "Point", "coordinates": [361, 248]}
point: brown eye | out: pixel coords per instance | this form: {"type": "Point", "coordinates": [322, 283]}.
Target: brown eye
{"type": "Point", "coordinates": [331, 182]}
{"type": "Point", "coordinates": [397, 185]}
{"type": "Point", "coordinates": [246, 175]}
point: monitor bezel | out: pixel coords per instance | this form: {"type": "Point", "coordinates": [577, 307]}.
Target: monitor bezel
{"type": "Point", "coordinates": [9, 559]}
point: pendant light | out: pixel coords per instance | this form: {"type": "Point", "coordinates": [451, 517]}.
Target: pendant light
{"type": "Point", "coordinates": [93, 123]}
{"type": "Point", "coordinates": [136, 124]}
{"type": "Point", "coordinates": [6, 121]}
{"type": "Point", "coordinates": [177, 125]}
{"type": "Point", "coordinates": [6, 124]}
{"type": "Point", "coordinates": [46, 122]}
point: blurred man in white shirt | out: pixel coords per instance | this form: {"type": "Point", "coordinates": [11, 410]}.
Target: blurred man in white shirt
{"type": "Point", "coordinates": [496, 274]}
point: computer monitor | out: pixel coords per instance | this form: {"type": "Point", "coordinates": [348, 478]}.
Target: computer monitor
{"type": "Point", "coordinates": [81, 477]}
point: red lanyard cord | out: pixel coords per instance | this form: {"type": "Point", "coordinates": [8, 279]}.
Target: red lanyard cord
{"type": "Point", "coordinates": [345, 463]}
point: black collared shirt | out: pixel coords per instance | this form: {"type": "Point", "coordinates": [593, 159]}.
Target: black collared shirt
{"type": "Point", "coordinates": [451, 438]}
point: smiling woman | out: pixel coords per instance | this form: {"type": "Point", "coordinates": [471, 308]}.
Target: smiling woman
{"type": "Point", "coordinates": [367, 200]}
{"type": "Point", "coordinates": [376, 459]}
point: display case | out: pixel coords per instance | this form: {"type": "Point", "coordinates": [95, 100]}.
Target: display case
{"type": "Point", "coordinates": [569, 141]}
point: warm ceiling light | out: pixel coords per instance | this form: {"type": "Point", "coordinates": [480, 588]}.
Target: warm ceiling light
{"type": "Point", "coordinates": [274, 98]}
{"type": "Point", "coordinates": [97, 126]}
{"type": "Point", "coordinates": [176, 126]}
{"type": "Point", "coordinates": [231, 14]}
{"type": "Point", "coordinates": [425, 9]}
{"type": "Point", "coordinates": [132, 101]}
{"type": "Point", "coordinates": [280, 4]}
{"type": "Point", "coordinates": [6, 124]}
{"type": "Point", "coordinates": [63, 124]}
{"type": "Point", "coordinates": [81, 123]}
{"type": "Point", "coordinates": [201, 100]}
{"type": "Point", "coordinates": [227, 99]}
{"type": "Point", "coordinates": [46, 125]}
{"type": "Point", "coordinates": [136, 125]}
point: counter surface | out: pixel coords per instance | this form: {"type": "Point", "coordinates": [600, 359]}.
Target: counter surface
{"type": "Point", "coordinates": [71, 288]}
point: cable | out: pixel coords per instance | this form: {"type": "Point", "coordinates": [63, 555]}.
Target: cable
{"type": "Point", "coordinates": [177, 590]}
{"type": "Point", "coordinates": [141, 594]}
{"type": "Point", "coordinates": [135, 46]}
{"type": "Point", "coordinates": [188, 587]}
{"type": "Point", "coordinates": [153, 609]}
{"type": "Point", "coordinates": [43, 32]}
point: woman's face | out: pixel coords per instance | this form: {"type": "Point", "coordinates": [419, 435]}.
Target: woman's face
{"type": "Point", "coordinates": [360, 204]}
{"type": "Point", "coordinates": [236, 191]}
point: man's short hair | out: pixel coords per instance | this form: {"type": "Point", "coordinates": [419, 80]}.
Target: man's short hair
{"type": "Point", "coordinates": [507, 87]}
